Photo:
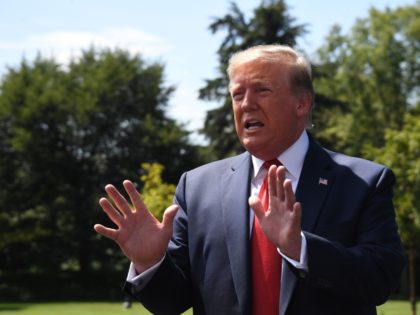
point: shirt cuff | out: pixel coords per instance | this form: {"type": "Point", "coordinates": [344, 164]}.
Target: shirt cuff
{"type": "Point", "coordinates": [141, 279]}
{"type": "Point", "coordinates": [302, 264]}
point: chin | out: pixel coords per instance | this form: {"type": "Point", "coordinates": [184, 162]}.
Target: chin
{"type": "Point", "coordinates": [256, 149]}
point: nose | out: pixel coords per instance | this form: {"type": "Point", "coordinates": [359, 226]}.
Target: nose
{"type": "Point", "coordinates": [249, 102]}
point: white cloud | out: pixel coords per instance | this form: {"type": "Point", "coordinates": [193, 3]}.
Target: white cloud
{"type": "Point", "coordinates": [63, 45]}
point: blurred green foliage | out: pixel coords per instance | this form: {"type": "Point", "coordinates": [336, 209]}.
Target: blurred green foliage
{"type": "Point", "coordinates": [368, 79]}
{"type": "Point", "coordinates": [66, 132]}
{"type": "Point", "coordinates": [156, 194]}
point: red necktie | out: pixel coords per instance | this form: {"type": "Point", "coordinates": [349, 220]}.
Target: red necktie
{"type": "Point", "coordinates": [266, 262]}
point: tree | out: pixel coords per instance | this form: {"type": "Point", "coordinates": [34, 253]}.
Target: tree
{"type": "Point", "coordinates": [270, 24]}
{"type": "Point", "coordinates": [369, 87]}
{"type": "Point", "coordinates": [367, 79]}
{"type": "Point", "coordinates": [156, 194]}
{"type": "Point", "coordinates": [401, 153]}
{"type": "Point", "coordinates": [66, 132]}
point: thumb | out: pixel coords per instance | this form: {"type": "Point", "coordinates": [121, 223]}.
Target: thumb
{"type": "Point", "coordinates": [255, 203]}
{"type": "Point", "coordinates": [169, 215]}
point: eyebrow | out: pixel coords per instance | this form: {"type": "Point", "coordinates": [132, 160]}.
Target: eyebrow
{"type": "Point", "coordinates": [252, 82]}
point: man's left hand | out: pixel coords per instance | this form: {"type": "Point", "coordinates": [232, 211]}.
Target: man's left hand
{"type": "Point", "coordinates": [281, 223]}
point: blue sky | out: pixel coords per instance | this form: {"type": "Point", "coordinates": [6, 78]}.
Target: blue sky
{"type": "Point", "coordinates": [173, 32]}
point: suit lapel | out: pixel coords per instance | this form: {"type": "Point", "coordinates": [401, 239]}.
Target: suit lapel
{"type": "Point", "coordinates": [235, 185]}
{"type": "Point", "coordinates": [314, 184]}
{"type": "Point", "coordinates": [313, 187]}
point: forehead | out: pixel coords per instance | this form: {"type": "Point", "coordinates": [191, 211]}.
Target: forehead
{"type": "Point", "coordinates": [258, 72]}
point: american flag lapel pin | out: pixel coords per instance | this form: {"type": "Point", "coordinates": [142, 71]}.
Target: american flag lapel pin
{"type": "Point", "coordinates": [323, 181]}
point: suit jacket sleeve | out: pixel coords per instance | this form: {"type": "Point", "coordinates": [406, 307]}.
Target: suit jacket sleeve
{"type": "Point", "coordinates": [355, 251]}
{"type": "Point", "coordinates": [207, 261]}
{"type": "Point", "coordinates": [169, 291]}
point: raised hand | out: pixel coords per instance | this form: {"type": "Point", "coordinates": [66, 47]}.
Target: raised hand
{"type": "Point", "coordinates": [141, 237]}
{"type": "Point", "coordinates": [281, 223]}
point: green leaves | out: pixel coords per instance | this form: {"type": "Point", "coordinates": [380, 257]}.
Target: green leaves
{"type": "Point", "coordinates": [66, 132]}
{"type": "Point", "coordinates": [401, 153]}
{"type": "Point", "coordinates": [156, 194]}
{"type": "Point", "coordinates": [372, 77]}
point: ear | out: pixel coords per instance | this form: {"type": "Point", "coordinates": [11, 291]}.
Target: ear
{"type": "Point", "coordinates": [304, 103]}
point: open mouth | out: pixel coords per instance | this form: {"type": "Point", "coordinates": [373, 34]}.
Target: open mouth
{"type": "Point", "coordinates": [253, 124]}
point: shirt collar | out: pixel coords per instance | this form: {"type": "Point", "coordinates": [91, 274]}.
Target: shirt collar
{"type": "Point", "coordinates": [292, 159]}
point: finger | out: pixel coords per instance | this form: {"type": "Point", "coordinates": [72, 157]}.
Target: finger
{"type": "Point", "coordinates": [135, 197]}
{"type": "Point", "coordinates": [107, 232]}
{"type": "Point", "coordinates": [289, 195]}
{"type": "Point", "coordinates": [272, 182]}
{"type": "Point", "coordinates": [168, 217]}
{"type": "Point", "coordinates": [256, 205]}
{"type": "Point", "coordinates": [297, 211]}
{"type": "Point", "coordinates": [280, 178]}
{"type": "Point", "coordinates": [111, 212]}
{"type": "Point", "coordinates": [118, 199]}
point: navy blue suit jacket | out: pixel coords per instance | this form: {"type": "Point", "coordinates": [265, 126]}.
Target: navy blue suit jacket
{"type": "Point", "coordinates": [354, 252]}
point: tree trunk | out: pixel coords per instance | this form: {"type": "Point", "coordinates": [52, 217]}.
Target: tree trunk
{"type": "Point", "coordinates": [412, 277]}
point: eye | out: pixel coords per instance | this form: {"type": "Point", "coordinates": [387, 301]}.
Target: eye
{"type": "Point", "coordinates": [237, 95]}
{"type": "Point", "coordinates": [263, 90]}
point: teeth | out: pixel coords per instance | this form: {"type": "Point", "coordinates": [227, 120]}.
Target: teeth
{"type": "Point", "coordinates": [253, 125]}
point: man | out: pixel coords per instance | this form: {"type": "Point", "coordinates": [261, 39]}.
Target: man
{"type": "Point", "coordinates": [329, 216]}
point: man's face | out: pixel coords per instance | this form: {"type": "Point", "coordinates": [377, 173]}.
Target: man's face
{"type": "Point", "coordinates": [268, 116]}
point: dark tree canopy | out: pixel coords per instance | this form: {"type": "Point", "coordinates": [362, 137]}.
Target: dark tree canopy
{"type": "Point", "coordinates": [66, 132]}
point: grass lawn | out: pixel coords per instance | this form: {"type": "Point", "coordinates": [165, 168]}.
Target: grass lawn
{"type": "Point", "coordinates": [396, 308]}
{"type": "Point", "coordinates": [72, 308]}
{"type": "Point", "coordinates": [103, 308]}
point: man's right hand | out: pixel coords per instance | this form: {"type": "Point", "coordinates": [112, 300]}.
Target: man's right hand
{"type": "Point", "coordinates": [141, 237]}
